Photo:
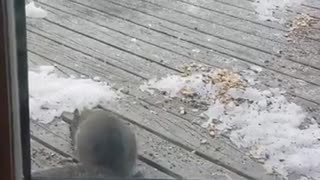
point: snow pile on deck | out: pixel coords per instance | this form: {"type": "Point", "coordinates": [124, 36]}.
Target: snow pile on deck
{"type": "Point", "coordinates": [263, 122]}
{"type": "Point", "coordinates": [50, 95]}
{"type": "Point", "coordinates": [35, 12]}
{"type": "Point", "coordinates": [266, 8]}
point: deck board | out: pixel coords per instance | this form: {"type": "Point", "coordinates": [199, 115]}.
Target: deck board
{"type": "Point", "coordinates": [242, 49]}
{"type": "Point", "coordinates": [175, 130]}
{"type": "Point", "coordinates": [57, 134]}
{"type": "Point", "coordinates": [237, 30]}
{"type": "Point", "coordinates": [173, 157]}
{"type": "Point", "coordinates": [44, 158]}
{"type": "Point", "coordinates": [173, 12]}
{"type": "Point", "coordinates": [241, 10]}
{"type": "Point", "coordinates": [127, 42]}
{"type": "Point", "coordinates": [270, 79]}
{"type": "Point", "coordinates": [219, 21]}
{"type": "Point", "coordinates": [275, 68]}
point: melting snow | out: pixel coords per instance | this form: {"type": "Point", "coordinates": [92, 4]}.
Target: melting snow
{"type": "Point", "coordinates": [50, 95]}
{"type": "Point", "coordinates": [266, 8]}
{"type": "Point", "coordinates": [35, 12]}
{"type": "Point", "coordinates": [263, 122]}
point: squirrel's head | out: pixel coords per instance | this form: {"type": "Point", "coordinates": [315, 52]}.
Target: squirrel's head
{"type": "Point", "coordinates": [83, 115]}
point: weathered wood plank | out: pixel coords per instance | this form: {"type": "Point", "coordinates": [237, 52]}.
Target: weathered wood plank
{"type": "Point", "coordinates": [112, 57]}
{"type": "Point", "coordinates": [57, 135]}
{"type": "Point", "coordinates": [293, 86]}
{"type": "Point", "coordinates": [177, 159]}
{"type": "Point", "coordinates": [180, 134]}
{"type": "Point", "coordinates": [218, 24]}
{"type": "Point", "coordinates": [104, 53]}
{"type": "Point", "coordinates": [35, 60]}
{"type": "Point", "coordinates": [176, 126]}
{"type": "Point", "coordinates": [152, 147]}
{"type": "Point", "coordinates": [34, 65]}
{"type": "Point", "coordinates": [306, 7]}
{"type": "Point", "coordinates": [271, 80]}
{"type": "Point", "coordinates": [45, 158]}
{"type": "Point", "coordinates": [240, 49]}
{"type": "Point", "coordinates": [281, 42]}
{"type": "Point", "coordinates": [279, 65]}
{"type": "Point", "coordinates": [242, 10]}
{"type": "Point", "coordinates": [77, 60]}
{"type": "Point", "coordinates": [312, 3]}
{"type": "Point", "coordinates": [244, 5]}
{"type": "Point", "coordinates": [57, 131]}
{"type": "Point", "coordinates": [65, 60]}
{"type": "Point", "coordinates": [311, 10]}
{"type": "Point", "coordinates": [247, 7]}
{"type": "Point", "coordinates": [47, 53]}
{"type": "Point", "coordinates": [35, 166]}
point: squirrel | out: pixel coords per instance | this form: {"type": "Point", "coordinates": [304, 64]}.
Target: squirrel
{"type": "Point", "coordinates": [105, 146]}
{"type": "Point", "coordinates": [102, 139]}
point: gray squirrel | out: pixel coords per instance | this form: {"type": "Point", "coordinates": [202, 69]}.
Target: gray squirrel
{"type": "Point", "coordinates": [104, 145]}
{"type": "Point", "coordinates": [102, 139]}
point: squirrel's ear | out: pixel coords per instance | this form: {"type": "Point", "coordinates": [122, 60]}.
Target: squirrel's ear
{"type": "Point", "coordinates": [76, 114]}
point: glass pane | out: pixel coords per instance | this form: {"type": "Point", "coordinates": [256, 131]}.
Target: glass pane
{"type": "Point", "coordinates": [171, 89]}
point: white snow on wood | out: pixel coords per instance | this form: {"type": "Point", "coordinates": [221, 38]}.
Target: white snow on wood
{"type": "Point", "coordinates": [35, 12]}
{"type": "Point", "coordinates": [264, 123]}
{"type": "Point", "coordinates": [50, 95]}
{"type": "Point", "coordinates": [267, 8]}
{"type": "Point", "coordinates": [96, 78]}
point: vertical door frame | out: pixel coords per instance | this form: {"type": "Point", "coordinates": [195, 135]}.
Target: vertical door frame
{"type": "Point", "coordinates": [14, 103]}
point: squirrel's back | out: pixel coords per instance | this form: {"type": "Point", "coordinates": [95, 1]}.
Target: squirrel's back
{"type": "Point", "coordinates": [104, 140]}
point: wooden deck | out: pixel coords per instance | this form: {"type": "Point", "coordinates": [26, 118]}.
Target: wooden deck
{"type": "Point", "coordinates": [128, 41]}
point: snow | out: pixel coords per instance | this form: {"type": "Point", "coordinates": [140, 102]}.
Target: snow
{"type": "Point", "coordinates": [50, 95]}
{"type": "Point", "coordinates": [196, 50]}
{"type": "Point", "coordinates": [96, 78]}
{"type": "Point", "coordinates": [174, 83]}
{"type": "Point", "coordinates": [266, 8]}
{"type": "Point", "coordinates": [263, 122]}
{"type": "Point", "coordinates": [35, 12]}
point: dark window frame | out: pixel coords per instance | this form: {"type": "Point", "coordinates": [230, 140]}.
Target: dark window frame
{"type": "Point", "coordinates": [15, 161]}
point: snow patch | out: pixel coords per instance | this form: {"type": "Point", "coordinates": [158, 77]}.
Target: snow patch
{"type": "Point", "coordinates": [262, 121]}
{"type": "Point", "coordinates": [96, 78]}
{"type": "Point", "coordinates": [266, 8]}
{"type": "Point", "coordinates": [35, 12]}
{"type": "Point", "coordinates": [50, 95]}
